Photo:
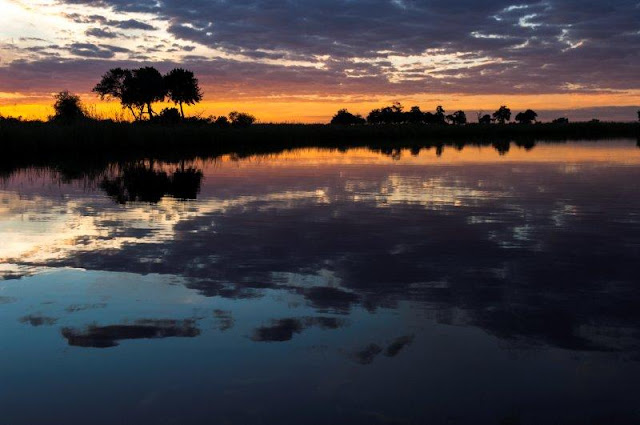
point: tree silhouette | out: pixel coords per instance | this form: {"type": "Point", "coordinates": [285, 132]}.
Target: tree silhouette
{"type": "Point", "coordinates": [526, 117]}
{"type": "Point", "coordinates": [241, 119]}
{"type": "Point", "coordinates": [146, 86]}
{"type": "Point", "coordinates": [67, 107]}
{"type": "Point", "coordinates": [182, 87]}
{"type": "Point", "coordinates": [116, 84]}
{"type": "Point", "coordinates": [457, 118]}
{"type": "Point", "coordinates": [415, 115]}
{"type": "Point", "coordinates": [639, 115]}
{"type": "Point", "coordinates": [439, 116]}
{"type": "Point", "coordinates": [484, 118]}
{"type": "Point", "coordinates": [344, 117]}
{"type": "Point", "coordinates": [388, 115]}
{"type": "Point", "coordinates": [136, 89]}
{"type": "Point", "coordinates": [561, 120]}
{"type": "Point", "coordinates": [502, 115]}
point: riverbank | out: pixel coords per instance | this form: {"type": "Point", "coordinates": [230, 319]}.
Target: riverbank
{"type": "Point", "coordinates": [42, 142]}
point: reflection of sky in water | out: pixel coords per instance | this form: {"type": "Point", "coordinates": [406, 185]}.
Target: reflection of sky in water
{"type": "Point", "coordinates": [323, 287]}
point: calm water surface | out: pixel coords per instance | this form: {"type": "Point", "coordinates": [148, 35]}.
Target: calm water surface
{"type": "Point", "coordinates": [326, 287]}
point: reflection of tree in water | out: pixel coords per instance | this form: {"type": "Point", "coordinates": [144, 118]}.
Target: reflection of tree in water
{"type": "Point", "coordinates": [142, 183]}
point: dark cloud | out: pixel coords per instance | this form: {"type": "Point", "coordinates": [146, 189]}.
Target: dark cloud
{"type": "Point", "coordinates": [100, 33]}
{"type": "Point", "coordinates": [110, 336]}
{"type": "Point", "coordinates": [132, 24]}
{"type": "Point", "coordinates": [90, 50]}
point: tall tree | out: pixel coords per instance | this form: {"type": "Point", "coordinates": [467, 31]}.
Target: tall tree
{"type": "Point", "coordinates": [502, 115]}
{"type": "Point", "coordinates": [182, 87]}
{"type": "Point", "coordinates": [147, 87]}
{"type": "Point", "coordinates": [116, 84]}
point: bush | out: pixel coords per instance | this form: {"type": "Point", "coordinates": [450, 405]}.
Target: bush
{"type": "Point", "coordinates": [68, 108]}
{"type": "Point", "coordinates": [241, 119]}
{"type": "Point", "coordinates": [344, 117]}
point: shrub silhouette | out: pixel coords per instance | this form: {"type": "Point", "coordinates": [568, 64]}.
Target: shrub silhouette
{"type": "Point", "coordinates": [502, 115]}
{"type": "Point", "coordinates": [182, 87]}
{"type": "Point", "coordinates": [241, 119]}
{"type": "Point", "coordinates": [457, 118]}
{"type": "Point", "coordinates": [344, 117]}
{"type": "Point", "coordinates": [561, 120]}
{"type": "Point", "coordinates": [67, 107]}
{"type": "Point", "coordinates": [222, 121]}
{"type": "Point", "coordinates": [169, 116]}
{"type": "Point", "coordinates": [484, 119]}
{"type": "Point", "coordinates": [526, 117]}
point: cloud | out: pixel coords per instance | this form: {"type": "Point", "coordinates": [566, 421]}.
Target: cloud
{"type": "Point", "coordinates": [100, 33]}
{"type": "Point", "coordinates": [38, 320]}
{"type": "Point", "coordinates": [110, 336]}
{"type": "Point", "coordinates": [283, 329]}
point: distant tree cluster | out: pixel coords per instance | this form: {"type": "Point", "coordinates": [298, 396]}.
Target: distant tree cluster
{"type": "Point", "coordinates": [138, 89]}
{"type": "Point", "coordinates": [396, 114]}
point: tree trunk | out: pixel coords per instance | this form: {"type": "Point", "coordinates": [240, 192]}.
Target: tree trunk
{"type": "Point", "coordinates": [150, 110]}
{"type": "Point", "coordinates": [181, 111]}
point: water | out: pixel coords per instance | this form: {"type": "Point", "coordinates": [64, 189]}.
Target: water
{"type": "Point", "coordinates": [326, 287]}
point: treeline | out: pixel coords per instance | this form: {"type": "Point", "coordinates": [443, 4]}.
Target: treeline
{"type": "Point", "coordinates": [396, 114]}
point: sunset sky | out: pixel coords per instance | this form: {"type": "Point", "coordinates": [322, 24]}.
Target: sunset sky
{"type": "Point", "coordinates": [301, 60]}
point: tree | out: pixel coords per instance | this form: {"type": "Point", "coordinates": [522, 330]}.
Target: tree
{"type": "Point", "coordinates": [146, 86]}
{"type": "Point", "coordinates": [439, 116]}
{"type": "Point", "coordinates": [526, 117]}
{"type": "Point", "coordinates": [115, 84]}
{"type": "Point", "coordinates": [241, 119]}
{"type": "Point", "coordinates": [484, 118]}
{"type": "Point", "coordinates": [502, 115]}
{"type": "Point", "coordinates": [136, 89]}
{"type": "Point", "coordinates": [182, 87]}
{"type": "Point", "coordinates": [561, 120]}
{"type": "Point", "coordinates": [638, 114]}
{"type": "Point", "coordinates": [67, 107]}
{"type": "Point", "coordinates": [344, 117]}
{"type": "Point", "coordinates": [388, 115]}
{"type": "Point", "coordinates": [415, 115]}
{"type": "Point", "coordinates": [457, 118]}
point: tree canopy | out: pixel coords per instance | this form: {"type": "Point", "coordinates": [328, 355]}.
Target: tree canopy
{"type": "Point", "coordinates": [140, 88]}
{"type": "Point", "coordinates": [502, 115]}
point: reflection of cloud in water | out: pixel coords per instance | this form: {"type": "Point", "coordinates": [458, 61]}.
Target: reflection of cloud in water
{"type": "Point", "coordinates": [518, 251]}
{"type": "Point", "coordinates": [110, 336]}
{"type": "Point", "coordinates": [223, 320]}
{"type": "Point", "coordinates": [38, 320]}
{"type": "Point", "coordinates": [74, 308]}
{"type": "Point", "coordinates": [284, 329]}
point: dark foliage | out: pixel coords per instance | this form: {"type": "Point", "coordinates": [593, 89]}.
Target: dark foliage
{"type": "Point", "coordinates": [527, 117]}
{"type": "Point", "coordinates": [344, 117]}
{"type": "Point", "coordinates": [182, 88]}
{"type": "Point", "coordinates": [68, 108]}
{"type": "Point", "coordinates": [502, 115]}
{"type": "Point", "coordinates": [241, 119]}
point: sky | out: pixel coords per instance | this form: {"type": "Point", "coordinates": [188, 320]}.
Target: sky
{"type": "Point", "coordinates": [302, 60]}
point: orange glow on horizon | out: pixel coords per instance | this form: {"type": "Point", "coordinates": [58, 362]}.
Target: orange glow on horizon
{"type": "Point", "coordinates": [288, 109]}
